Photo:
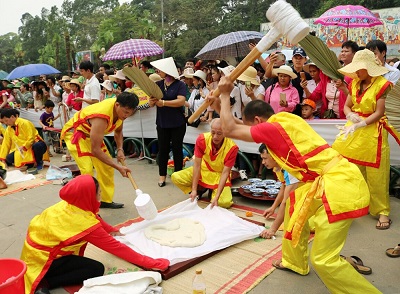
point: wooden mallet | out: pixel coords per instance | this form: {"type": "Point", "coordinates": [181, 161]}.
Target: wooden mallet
{"type": "Point", "coordinates": [285, 21]}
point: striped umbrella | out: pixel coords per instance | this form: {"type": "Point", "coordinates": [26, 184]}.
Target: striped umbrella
{"type": "Point", "coordinates": [132, 48]}
{"type": "Point", "coordinates": [235, 44]}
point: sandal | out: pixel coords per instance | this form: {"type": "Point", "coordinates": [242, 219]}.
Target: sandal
{"type": "Point", "coordinates": [393, 252]}
{"type": "Point", "coordinates": [383, 225]}
{"type": "Point", "coordinates": [358, 264]}
{"type": "Point", "coordinates": [278, 265]}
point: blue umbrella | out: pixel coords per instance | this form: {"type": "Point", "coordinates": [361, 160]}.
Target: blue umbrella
{"type": "Point", "coordinates": [31, 70]}
{"type": "Point", "coordinates": [234, 44]}
{"type": "Point", "coordinates": [3, 74]}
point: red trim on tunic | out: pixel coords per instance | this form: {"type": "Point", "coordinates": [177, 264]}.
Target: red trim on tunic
{"type": "Point", "coordinates": [316, 151]}
{"type": "Point", "coordinates": [345, 215]}
{"type": "Point", "coordinates": [230, 157]}
{"type": "Point", "coordinates": [383, 89]}
{"type": "Point", "coordinates": [377, 162]}
{"type": "Point", "coordinates": [55, 251]}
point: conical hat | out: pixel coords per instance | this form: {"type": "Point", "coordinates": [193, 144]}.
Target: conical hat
{"type": "Point", "coordinates": [166, 65]}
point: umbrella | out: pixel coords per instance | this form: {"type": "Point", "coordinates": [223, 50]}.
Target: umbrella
{"type": "Point", "coordinates": [235, 44]}
{"type": "Point", "coordinates": [348, 16]}
{"type": "Point", "coordinates": [31, 70]}
{"type": "Point", "coordinates": [3, 74]}
{"type": "Point", "coordinates": [132, 48]}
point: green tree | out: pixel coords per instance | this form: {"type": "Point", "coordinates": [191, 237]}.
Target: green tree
{"type": "Point", "coordinates": [11, 53]}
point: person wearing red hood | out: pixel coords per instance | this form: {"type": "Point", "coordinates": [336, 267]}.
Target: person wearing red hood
{"type": "Point", "coordinates": [57, 238]}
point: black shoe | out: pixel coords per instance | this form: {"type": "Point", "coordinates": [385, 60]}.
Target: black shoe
{"type": "Point", "coordinates": [112, 205]}
{"type": "Point", "coordinates": [42, 291]}
{"type": "Point", "coordinates": [162, 184]}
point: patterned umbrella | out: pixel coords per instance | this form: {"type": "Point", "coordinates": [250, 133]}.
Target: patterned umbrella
{"type": "Point", "coordinates": [234, 44]}
{"type": "Point", "coordinates": [132, 48]}
{"type": "Point", "coordinates": [31, 70]}
{"type": "Point", "coordinates": [348, 16]}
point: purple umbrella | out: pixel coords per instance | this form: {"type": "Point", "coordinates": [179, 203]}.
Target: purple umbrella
{"type": "Point", "coordinates": [31, 70]}
{"type": "Point", "coordinates": [348, 16]}
{"type": "Point", "coordinates": [133, 48]}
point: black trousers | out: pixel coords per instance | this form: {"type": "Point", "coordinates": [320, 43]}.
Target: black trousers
{"type": "Point", "coordinates": [39, 148]}
{"type": "Point", "coordinates": [71, 270]}
{"type": "Point", "coordinates": [167, 136]}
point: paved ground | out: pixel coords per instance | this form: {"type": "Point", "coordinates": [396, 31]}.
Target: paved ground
{"type": "Point", "coordinates": [363, 240]}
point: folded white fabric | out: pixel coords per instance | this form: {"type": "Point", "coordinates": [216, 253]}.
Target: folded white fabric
{"type": "Point", "coordinates": [16, 176]}
{"type": "Point", "coordinates": [143, 282]}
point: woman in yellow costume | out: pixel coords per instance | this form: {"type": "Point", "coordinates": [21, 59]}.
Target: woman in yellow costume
{"type": "Point", "coordinates": [57, 238]}
{"type": "Point", "coordinates": [330, 188]}
{"type": "Point", "coordinates": [364, 138]}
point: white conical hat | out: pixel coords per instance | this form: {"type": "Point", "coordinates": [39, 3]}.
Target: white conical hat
{"type": "Point", "coordinates": [166, 65]}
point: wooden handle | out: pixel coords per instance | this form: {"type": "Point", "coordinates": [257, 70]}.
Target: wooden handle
{"type": "Point", "coordinates": [242, 66]}
{"type": "Point", "coordinates": [130, 176]}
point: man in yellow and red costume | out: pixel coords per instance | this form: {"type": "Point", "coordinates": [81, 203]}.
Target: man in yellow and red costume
{"type": "Point", "coordinates": [330, 188]}
{"type": "Point", "coordinates": [84, 134]}
{"type": "Point", "coordinates": [214, 157]}
{"type": "Point", "coordinates": [22, 145]}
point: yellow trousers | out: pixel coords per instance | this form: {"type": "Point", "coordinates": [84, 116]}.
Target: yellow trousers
{"type": "Point", "coordinates": [183, 180]}
{"type": "Point", "coordinates": [336, 273]}
{"type": "Point", "coordinates": [378, 183]}
{"type": "Point", "coordinates": [104, 172]}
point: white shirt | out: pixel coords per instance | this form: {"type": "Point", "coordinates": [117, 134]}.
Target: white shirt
{"type": "Point", "coordinates": [236, 109]}
{"type": "Point", "coordinates": [54, 98]}
{"type": "Point", "coordinates": [92, 90]}
{"type": "Point", "coordinates": [195, 104]}
{"type": "Point", "coordinates": [393, 75]}
{"type": "Point", "coordinates": [257, 91]}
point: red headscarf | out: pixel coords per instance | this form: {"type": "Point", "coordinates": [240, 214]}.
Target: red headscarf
{"type": "Point", "coordinates": [81, 192]}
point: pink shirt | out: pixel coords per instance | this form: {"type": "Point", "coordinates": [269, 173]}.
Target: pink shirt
{"type": "Point", "coordinates": [273, 98]}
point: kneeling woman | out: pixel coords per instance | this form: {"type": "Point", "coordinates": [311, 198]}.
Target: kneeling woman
{"type": "Point", "coordinates": [57, 238]}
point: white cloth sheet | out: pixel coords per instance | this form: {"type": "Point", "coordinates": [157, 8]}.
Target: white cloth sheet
{"type": "Point", "coordinates": [16, 176]}
{"type": "Point", "coordinates": [223, 229]}
{"type": "Point", "coordinates": [143, 282]}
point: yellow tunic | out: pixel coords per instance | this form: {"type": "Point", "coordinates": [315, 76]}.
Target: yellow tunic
{"type": "Point", "coordinates": [212, 166]}
{"type": "Point", "coordinates": [364, 147]}
{"type": "Point", "coordinates": [76, 134]}
{"type": "Point", "coordinates": [24, 135]}
{"type": "Point", "coordinates": [79, 123]}
{"type": "Point", "coordinates": [52, 236]}
{"type": "Point", "coordinates": [299, 150]}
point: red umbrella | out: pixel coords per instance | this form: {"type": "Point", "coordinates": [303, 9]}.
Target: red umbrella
{"type": "Point", "coordinates": [132, 48]}
{"type": "Point", "coordinates": [348, 16]}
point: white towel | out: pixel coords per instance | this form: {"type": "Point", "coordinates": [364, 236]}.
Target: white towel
{"type": "Point", "coordinates": [16, 176]}
{"type": "Point", "coordinates": [143, 282]}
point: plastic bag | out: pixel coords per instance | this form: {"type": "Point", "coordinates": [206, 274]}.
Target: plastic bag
{"type": "Point", "coordinates": [57, 173]}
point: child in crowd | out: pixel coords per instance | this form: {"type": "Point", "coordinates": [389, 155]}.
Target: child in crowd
{"type": "Point", "coordinates": [76, 92]}
{"type": "Point", "coordinates": [108, 90]}
{"type": "Point", "coordinates": [46, 121]}
{"type": "Point", "coordinates": [289, 184]}
{"type": "Point", "coordinates": [307, 109]}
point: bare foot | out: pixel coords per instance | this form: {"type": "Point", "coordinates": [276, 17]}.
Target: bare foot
{"type": "Point", "coordinates": [3, 184]}
{"type": "Point", "coordinates": [384, 222]}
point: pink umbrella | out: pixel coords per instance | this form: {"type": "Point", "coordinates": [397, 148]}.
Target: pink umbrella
{"type": "Point", "coordinates": [348, 16]}
{"type": "Point", "coordinates": [132, 48]}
